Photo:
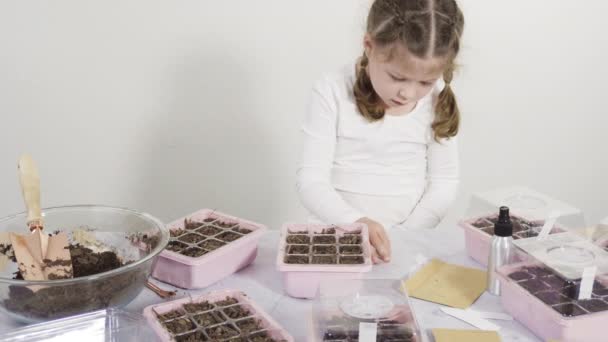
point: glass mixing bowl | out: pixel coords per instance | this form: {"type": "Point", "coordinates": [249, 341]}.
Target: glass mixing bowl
{"type": "Point", "coordinates": [136, 238]}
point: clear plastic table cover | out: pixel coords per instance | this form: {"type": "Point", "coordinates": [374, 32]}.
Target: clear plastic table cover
{"type": "Point", "coordinates": [345, 308]}
{"type": "Point", "coordinates": [98, 326]}
{"type": "Point", "coordinates": [567, 253]}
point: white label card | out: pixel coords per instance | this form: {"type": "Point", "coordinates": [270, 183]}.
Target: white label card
{"type": "Point", "coordinates": [368, 332]}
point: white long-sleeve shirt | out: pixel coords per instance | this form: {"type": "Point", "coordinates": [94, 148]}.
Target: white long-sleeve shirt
{"type": "Point", "coordinates": [391, 170]}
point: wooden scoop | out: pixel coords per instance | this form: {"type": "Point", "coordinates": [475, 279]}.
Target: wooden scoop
{"type": "Point", "coordinates": [39, 256]}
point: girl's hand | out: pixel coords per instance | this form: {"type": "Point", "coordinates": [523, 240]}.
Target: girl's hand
{"type": "Point", "coordinates": [381, 246]}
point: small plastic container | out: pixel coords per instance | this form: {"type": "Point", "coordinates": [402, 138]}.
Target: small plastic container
{"type": "Point", "coordinates": [547, 303]}
{"type": "Point", "coordinates": [98, 326]}
{"type": "Point", "coordinates": [309, 253]}
{"type": "Point", "coordinates": [206, 247]}
{"type": "Point", "coordinates": [478, 232]}
{"type": "Point", "coordinates": [364, 310]}
{"type": "Point", "coordinates": [528, 202]}
{"type": "Point", "coordinates": [529, 209]}
{"type": "Point", "coordinates": [227, 315]}
{"type": "Point", "coordinates": [599, 234]}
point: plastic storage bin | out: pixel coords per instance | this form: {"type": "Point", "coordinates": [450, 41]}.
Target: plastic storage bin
{"type": "Point", "coordinates": [309, 253]}
{"type": "Point", "coordinates": [547, 303]}
{"type": "Point", "coordinates": [98, 326]}
{"type": "Point", "coordinates": [227, 315]}
{"type": "Point", "coordinates": [205, 247]}
{"type": "Point", "coordinates": [528, 202]}
{"type": "Point", "coordinates": [363, 309]}
{"type": "Point", "coordinates": [478, 232]}
{"type": "Point", "coordinates": [528, 210]}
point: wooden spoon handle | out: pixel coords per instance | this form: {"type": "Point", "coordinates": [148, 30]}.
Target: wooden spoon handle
{"type": "Point", "coordinates": [160, 292]}
{"type": "Point", "coordinates": [30, 187]}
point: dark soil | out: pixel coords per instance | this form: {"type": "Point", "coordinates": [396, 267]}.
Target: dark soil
{"type": "Point", "coordinates": [57, 302]}
{"type": "Point", "coordinates": [191, 225]}
{"type": "Point", "coordinates": [238, 339]}
{"type": "Point", "coordinates": [170, 315]}
{"type": "Point", "coordinates": [222, 331]}
{"type": "Point", "coordinates": [196, 336]}
{"type": "Point", "coordinates": [194, 252]}
{"type": "Point", "coordinates": [208, 319]}
{"type": "Point", "coordinates": [192, 238]}
{"type": "Point", "coordinates": [522, 229]}
{"type": "Point", "coordinates": [261, 337]}
{"type": "Point", "coordinates": [249, 325]}
{"type": "Point", "coordinates": [243, 231]}
{"type": "Point", "coordinates": [324, 249]}
{"type": "Point", "coordinates": [196, 307]}
{"type": "Point", "coordinates": [331, 231]}
{"type": "Point", "coordinates": [324, 239]}
{"type": "Point", "coordinates": [351, 260]}
{"type": "Point", "coordinates": [526, 234]}
{"type": "Point", "coordinates": [351, 250]}
{"type": "Point", "coordinates": [390, 332]}
{"type": "Point", "coordinates": [228, 236]}
{"type": "Point", "coordinates": [209, 231]}
{"type": "Point", "coordinates": [559, 293]}
{"type": "Point", "coordinates": [179, 326]}
{"type": "Point", "coordinates": [593, 305]}
{"type": "Point", "coordinates": [600, 289]}
{"type": "Point", "coordinates": [482, 223]}
{"type": "Point", "coordinates": [296, 259]}
{"type": "Point", "coordinates": [520, 275]}
{"type": "Point", "coordinates": [225, 224]}
{"type": "Point", "coordinates": [552, 297]}
{"type": "Point", "coordinates": [569, 310]}
{"type": "Point", "coordinates": [150, 241]}
{"type": "Point", "coordinates": [556, 282]}
{"type": "Point", "coordinates": [211, 244]}
{"type": "Point", "coordinates": [534, 285]}
{"type": "Point", "coordinates": [298, 249]}
{"type": "Point", "coordinates": [350, 239]}
{"type": "Point", "coordinates": [176, 232]}
{"type": "Point", "coordinates": [298, 239]}
{"type": "Point", "coordinates": [333, 334]}
{"type": "Point", "coordinates": [176, 246]}
{"type": "Point", "coordinates": [324, 260]}
{"type": "Point", "coordinates": [8, 251]}
{"type": "Point", "coordinates": [85, 262]}
{"type": "Point", "coordinates": [539, 272]}
{"type": "Point", "coordinates": [385, 332]}
{"type": "Point", "coordinates": [236, 311]}
{"type": "Point", "coordinates": [227, 301]}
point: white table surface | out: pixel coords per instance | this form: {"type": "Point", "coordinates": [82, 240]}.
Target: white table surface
{"type": "Point", "coordinates": [263, 284]}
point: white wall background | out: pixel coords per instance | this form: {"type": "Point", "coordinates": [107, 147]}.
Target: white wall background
{"type": "Point", "coordinates": [170, 106]}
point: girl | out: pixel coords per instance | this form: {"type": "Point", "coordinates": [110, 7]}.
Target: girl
{"type": "Point", "coordinates": [380, 143]}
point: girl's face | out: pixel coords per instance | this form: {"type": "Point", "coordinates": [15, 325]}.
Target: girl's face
{"type": "Point", "coordinates": [399, 78]}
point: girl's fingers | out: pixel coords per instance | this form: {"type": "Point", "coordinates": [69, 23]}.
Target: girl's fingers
{"type": "Point", "coordinates": [387, 244]}
{"type": "Point", "coordinates": [382, 244]}
{"type": "Point", "coordinates": [375, 257]}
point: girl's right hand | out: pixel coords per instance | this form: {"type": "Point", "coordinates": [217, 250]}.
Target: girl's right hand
{"type": "Point", "coordinates": [381, 245]}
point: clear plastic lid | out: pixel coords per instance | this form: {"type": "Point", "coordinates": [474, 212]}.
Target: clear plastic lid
{"type": "Point", "coordinates": [527, 203]}
{"type": "Point", "coordinates": [99, 326]}
{"type": "Point", "coordinates": [598, 234]}
{"type": "Point", "coordinates": [567, 253]}
{"type": "Point", "coordinates": [529, 211]}
{"type": "Point", "coordinates": [570, 299]}
{"type": "Point", "coordinates": [363, 309]}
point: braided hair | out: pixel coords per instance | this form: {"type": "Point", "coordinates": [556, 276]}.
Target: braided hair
{"type": "Point", "coordinates": [427, 28]}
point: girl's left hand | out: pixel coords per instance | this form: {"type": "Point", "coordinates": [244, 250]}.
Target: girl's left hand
{"type": "Point", "coordinates": [381, 245]}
